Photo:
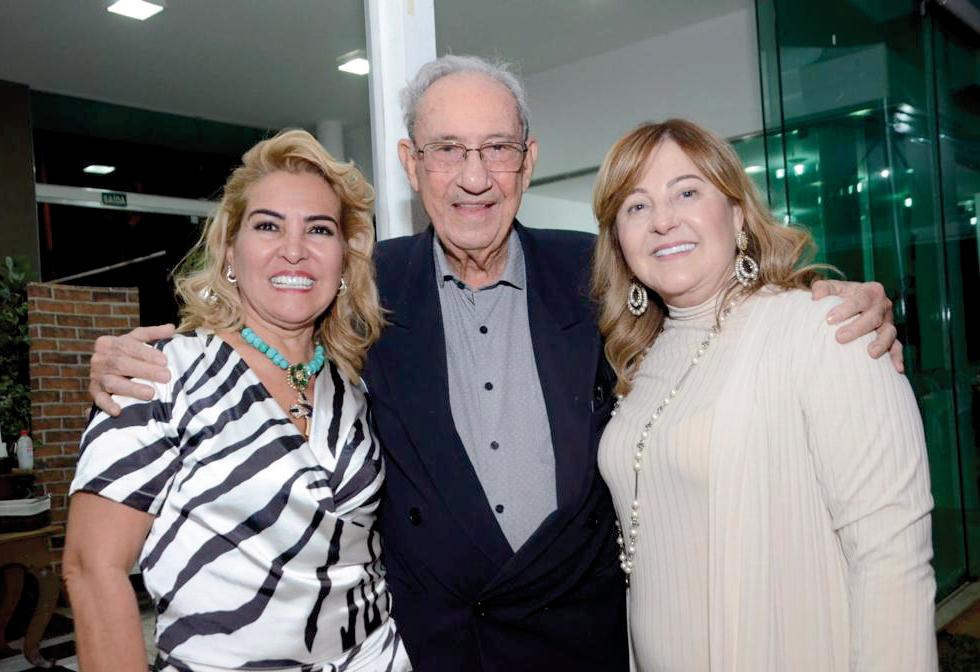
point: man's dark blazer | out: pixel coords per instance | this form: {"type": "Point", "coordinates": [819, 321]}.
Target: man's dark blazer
{"type": "Point", "coordinates": [463, 600]}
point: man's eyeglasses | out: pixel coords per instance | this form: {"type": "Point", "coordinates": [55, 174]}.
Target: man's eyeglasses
{"type": "Point", "coordinates": [498, 157]}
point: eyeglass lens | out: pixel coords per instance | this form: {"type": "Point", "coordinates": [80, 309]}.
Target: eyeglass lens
{"type": "Point", "coordinates": [439, 156]}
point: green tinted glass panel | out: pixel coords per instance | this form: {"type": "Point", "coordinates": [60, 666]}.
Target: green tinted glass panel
{"type": "Point", "coordinates": [872, 115]}
{"type": "Point", "coordinates": [956, 55]}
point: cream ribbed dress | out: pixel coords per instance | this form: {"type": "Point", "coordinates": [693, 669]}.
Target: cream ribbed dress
{"type": "Point", "coordinates": [784, 499]}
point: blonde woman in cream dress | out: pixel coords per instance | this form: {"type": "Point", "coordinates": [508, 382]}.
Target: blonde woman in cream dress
{"type": "Point", "coordinates": [771, 485]}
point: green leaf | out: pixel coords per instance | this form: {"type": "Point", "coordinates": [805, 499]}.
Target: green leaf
{"type": "Point", "coordinates": [15, 400]}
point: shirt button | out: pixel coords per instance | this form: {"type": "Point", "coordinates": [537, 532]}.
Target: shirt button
{"type": "Point", "coordinates": [461, 284]}
{"type": "Point", "coordinates": [499, 508]}
{"type": "Point", "coordinates": [488, 386]}
{"type": "Point", "coordinates": [483, 329]}
{"type": "Point", "coordinates": [494, 445]}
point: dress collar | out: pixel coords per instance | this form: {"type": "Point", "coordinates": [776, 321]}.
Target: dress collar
{"type": "Point", "coordinates": [702, 315]}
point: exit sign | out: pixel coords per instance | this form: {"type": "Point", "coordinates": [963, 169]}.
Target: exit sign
{"type": "Point", "coordinates": [114, 198]}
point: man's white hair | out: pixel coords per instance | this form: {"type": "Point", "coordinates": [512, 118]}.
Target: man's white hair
{"type": "Point", "coordinates": [451, 64]}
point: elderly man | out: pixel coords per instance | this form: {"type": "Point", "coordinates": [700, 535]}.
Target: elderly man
{"type": "Point", "coordinates": [489, 391]}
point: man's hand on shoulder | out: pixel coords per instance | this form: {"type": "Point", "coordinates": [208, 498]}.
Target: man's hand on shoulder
{"type": "Point", "coordinates": [118, 359]}
{"type": "Point", "coordinates": [868, 301]}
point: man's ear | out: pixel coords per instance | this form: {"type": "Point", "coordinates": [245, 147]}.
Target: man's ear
{"type": "Point", "coordinates": [410, 162]}
{"type": "Point", "coordinates": [530, 158]}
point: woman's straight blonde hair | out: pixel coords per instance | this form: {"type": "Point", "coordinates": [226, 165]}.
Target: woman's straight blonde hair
{"type": "Point", "coordinates": [782, 252]}
{"type": "Point", "coordinates": [354, 320]}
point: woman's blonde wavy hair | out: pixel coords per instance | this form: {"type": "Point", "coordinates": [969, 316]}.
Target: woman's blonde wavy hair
{"type": "Point", "coordinates": [782, 252]}
{"type": "Point", "coordinates": [354, 320]}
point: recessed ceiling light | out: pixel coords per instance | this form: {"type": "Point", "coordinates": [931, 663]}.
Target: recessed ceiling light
{"type": "Point", "coordinates": [753, 169]}
{"type": "Point", "coordinates": [98, 169]}
{"type": "Point", "coordinates": [355, 62]}
{"type": "Point", "coordinates": [140, 10]}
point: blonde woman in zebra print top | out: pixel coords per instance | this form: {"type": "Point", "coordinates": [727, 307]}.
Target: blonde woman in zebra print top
{"type": "Point", "coordinates": [248, 496]}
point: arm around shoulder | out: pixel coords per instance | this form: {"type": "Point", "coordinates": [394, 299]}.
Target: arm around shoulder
{"type": "Point", "coordinates": [116, 360]}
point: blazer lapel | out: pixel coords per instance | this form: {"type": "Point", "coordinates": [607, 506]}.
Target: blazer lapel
{"type": "Point", "coordinates": [563, 336]}
{"type": "Point", "coordinates": [561, 343]}
{"type": "Point", "coordinates": [415, 367]}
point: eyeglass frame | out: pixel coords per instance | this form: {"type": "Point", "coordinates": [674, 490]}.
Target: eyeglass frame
{"type": "Point", "coordinates": [522, 146]}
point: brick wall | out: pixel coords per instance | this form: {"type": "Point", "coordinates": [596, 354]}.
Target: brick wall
{"type": "Point", "coordinates": [64, 321]}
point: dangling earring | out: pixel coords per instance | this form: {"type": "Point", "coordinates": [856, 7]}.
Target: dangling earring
{"type": "Point", "coordinates": [343, 287]}
{"type": "Point", "coordinates": [230, 275]}
{"type": "Point", "coordinates": [637, 299]}
{"type": "Point", "coordinates": [746, 268]}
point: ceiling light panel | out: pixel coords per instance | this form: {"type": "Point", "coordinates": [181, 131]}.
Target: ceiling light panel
{"type": "Point", "coordinates": [140, 10]}
{"type": "Point", "coordinates": [98, 169]}
{"type": "Point", "coordinates": [354, 62]}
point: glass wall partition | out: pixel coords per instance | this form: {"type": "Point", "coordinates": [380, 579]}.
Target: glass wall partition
{"type": "Point", "coordinates": [872, 123]}
{"type": "Point", "coordinates": [955, 55]}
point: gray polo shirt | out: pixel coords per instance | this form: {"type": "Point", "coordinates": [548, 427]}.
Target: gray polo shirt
{"type": "Point", "coordinates": [495, 394]}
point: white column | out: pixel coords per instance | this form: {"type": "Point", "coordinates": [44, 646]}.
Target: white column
{"type": "Point", "coordinates": [401, 36]}
{"type": "Point", "coordinates": [330, 133]}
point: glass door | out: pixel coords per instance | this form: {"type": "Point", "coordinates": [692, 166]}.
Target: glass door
{"type": "Point", "coordinates": [872, 115]}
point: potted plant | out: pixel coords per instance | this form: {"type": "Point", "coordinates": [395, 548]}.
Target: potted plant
{"type": "Point", "coordinates": [15, 400]}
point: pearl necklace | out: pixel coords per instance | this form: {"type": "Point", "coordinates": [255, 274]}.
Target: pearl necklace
{"type": "Point", "coordinates": [627, 543]}
{"type": "Point", "coordinates": [298, 376]}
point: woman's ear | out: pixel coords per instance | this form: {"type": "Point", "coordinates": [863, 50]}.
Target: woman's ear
{"type": "Point", "coordinates": [738, 217]}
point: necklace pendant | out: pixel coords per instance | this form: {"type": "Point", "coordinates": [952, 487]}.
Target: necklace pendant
{"type": "Point", "coordinates": [301, 408]}
{"type": "Point", "coordinates": [298, 377]}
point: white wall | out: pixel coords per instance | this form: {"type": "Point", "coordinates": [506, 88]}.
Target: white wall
{"type": "Point", "coordinates": [708, 72]}
{"type": "Point", "coordinates": [545, 212]}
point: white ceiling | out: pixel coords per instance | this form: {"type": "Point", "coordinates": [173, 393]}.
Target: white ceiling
{"type": "Point", "coordinates": [541, 34]}
{"type": "Point", "coordinates": [272, 64]}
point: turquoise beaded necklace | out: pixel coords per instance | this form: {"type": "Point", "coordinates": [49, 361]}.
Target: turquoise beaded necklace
{"type": "Point", "coordinates": [298, 376]}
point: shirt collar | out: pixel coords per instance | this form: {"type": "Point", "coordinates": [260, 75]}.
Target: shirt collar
{"type": "Point", "coordinates": [513, 274]}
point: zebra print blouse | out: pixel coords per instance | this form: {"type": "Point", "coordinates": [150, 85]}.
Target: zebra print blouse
{"type": "Point", "coordinates": [264, 552]}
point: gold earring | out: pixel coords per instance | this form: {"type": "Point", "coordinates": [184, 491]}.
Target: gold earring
{"type": "Point", "coordinates": [637, 299]}
{"type": "Point", "coordinates": [746, 268]}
